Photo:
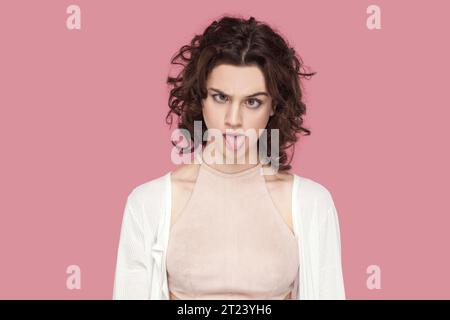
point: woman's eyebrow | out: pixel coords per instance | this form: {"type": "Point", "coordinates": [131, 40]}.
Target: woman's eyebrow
{"type": "Point", "coordinates": [249, 96]}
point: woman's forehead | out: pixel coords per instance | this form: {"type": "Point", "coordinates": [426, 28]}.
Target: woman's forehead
{"type": "Point", "coordinates": [237, 80]}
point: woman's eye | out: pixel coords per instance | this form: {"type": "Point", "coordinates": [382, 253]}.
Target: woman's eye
{"type": "Point", "coordinates": [219, 95]}
{"type": "Point", "coordinates": [254, 103]}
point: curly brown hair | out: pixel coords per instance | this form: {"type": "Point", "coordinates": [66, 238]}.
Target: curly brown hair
{"type": "Point", "coordinates": [240, 42]}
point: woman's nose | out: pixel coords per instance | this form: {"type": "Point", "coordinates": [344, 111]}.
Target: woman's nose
{"type": "Point", "coordinates": [233, 116]}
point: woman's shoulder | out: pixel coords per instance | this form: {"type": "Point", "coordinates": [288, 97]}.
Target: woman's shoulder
{"type": "Point", "coordinates": [309, 188]}
{"type": "Point", "coordinates": [157, 188]}
{"type": "Point", "coordinates": [150, 192]}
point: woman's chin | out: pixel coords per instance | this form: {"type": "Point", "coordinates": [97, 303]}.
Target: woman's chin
{"type": "Point", "coordinates": [235, 156]}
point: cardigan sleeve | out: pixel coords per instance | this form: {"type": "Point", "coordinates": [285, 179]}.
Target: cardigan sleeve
{"type": "Point", "coordinates": [133, 268]}
{"type": "Point", "coordinates": [331, 282]}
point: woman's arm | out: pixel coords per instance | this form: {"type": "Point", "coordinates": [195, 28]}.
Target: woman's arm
{"type": "Point", "coordinates": [133, 268]}
{"type": "Point", "coordinates": [331, 282]}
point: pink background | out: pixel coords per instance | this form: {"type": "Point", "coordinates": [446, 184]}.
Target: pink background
{"type": "Point", "coordinates": [82, 123]}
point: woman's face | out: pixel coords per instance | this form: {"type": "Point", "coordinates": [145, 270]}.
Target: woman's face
{"type": "Point", "coordinates": [237, 101]}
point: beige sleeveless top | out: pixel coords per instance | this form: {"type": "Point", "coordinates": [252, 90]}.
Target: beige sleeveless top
{"type": "Point", "coordinates": [230, 242]}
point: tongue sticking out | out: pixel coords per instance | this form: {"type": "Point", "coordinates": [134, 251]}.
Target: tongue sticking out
{"type": "Point", "coordinates": [234, 142]}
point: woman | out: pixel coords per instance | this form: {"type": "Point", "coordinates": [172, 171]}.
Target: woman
{"type": "Point", "coordinates": [245, 229]}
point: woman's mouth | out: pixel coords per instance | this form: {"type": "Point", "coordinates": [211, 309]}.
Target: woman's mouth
{"type": "Point", "coordinates": [234, 142]}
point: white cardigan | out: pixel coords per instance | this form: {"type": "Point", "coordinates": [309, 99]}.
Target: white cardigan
{"type": "Point", "coordinates": [141, 256]}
